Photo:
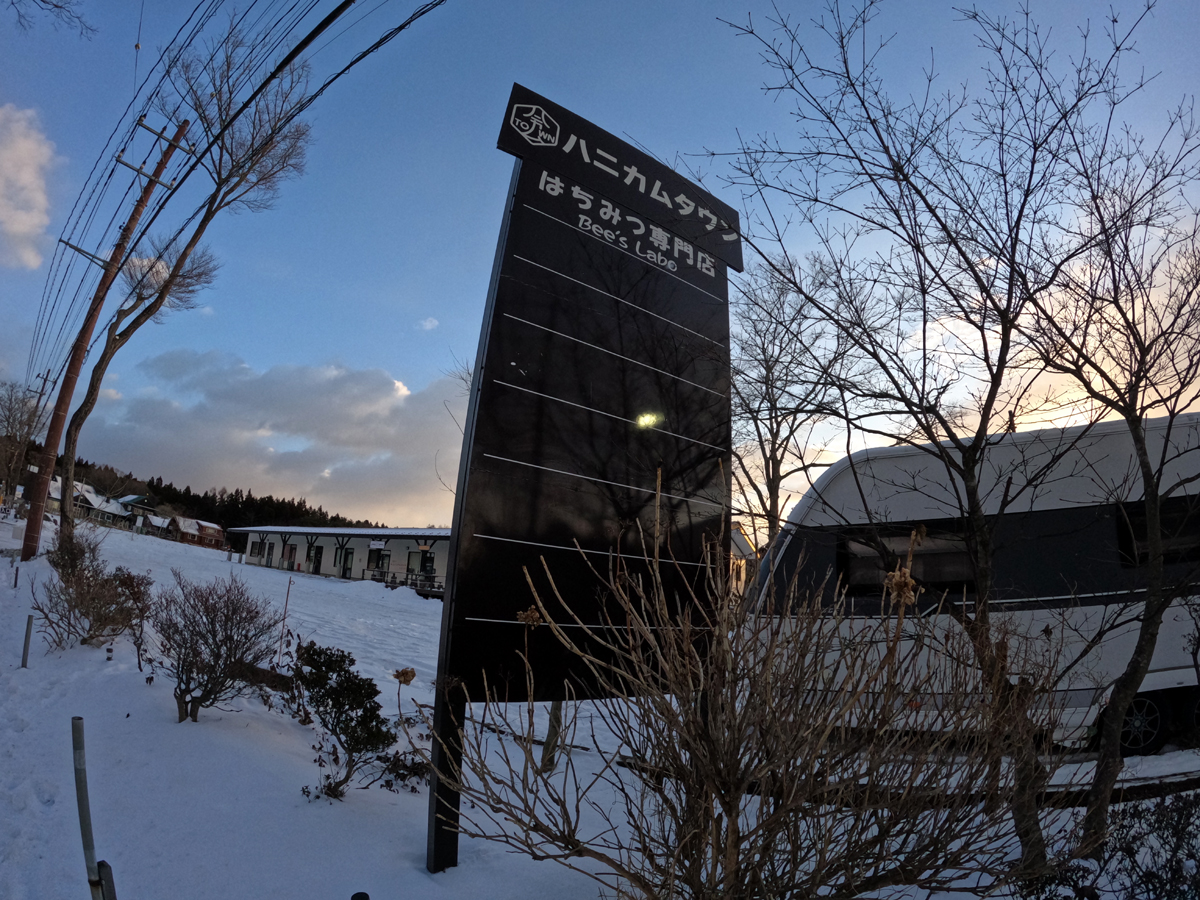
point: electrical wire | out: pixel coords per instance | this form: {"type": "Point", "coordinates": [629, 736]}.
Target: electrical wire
{"type": "Point", "coordinates": [68, 292]}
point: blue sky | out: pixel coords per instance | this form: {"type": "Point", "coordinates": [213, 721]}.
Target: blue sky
{"type": "Point", "coordinates": [315, 366]}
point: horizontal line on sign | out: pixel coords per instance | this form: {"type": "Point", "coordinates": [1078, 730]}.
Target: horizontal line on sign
{"type": "Point", "coordinates": [618, 299]}
{"type": "Point", "coordinates": [492, 537]}
{"type": "Point", "coordinates": [600, 412]}
{"type": "Point", "coordinates": [523, 625]}
{"type": "Point", "coordinates": [636, 362]}
{"type": "Point", "coordinates": [593, 627]}
{"type": "Point", "coordinates": [626, 252]}
{"type": "Point", "coordinates": [517, 462]}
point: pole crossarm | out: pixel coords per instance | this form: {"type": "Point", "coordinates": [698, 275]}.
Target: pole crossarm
{"type": "Point", "coordinates": [90, 257]}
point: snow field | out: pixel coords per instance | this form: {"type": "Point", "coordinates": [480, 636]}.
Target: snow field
{"type": "Point", "coordinates": [192, 811]}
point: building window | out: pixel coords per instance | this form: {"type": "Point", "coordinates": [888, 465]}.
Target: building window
{"type": "Point", "coordinates": [940, 563]}
{"type": "Point", "coordinates": [379, 559]}
{"type": "Point", "coordinates": [1180, 532]}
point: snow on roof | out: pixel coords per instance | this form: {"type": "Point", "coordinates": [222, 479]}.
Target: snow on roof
{"type": "Point", "coordinates": [191, 526]}
{"type": "Point", "coordinates": [346, 532]}
{"type": "Point", "coordinates": [88, 495]}
{"type": "Point", "coordinates": [211, 525]}
{"type": "Point", "coordinates": [158, 521]}
{"type": "Point", "coordinates": [100, 502]}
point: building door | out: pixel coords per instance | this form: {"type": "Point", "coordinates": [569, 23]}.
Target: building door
{"type": "Point", "coordinates": [420, 567]}
{"type": "Point", "coordinates": [316, 559]}
{"type": "Point", "coordinates": [270, 553]}
{"type": "Point", "coordinates": [348, 562]}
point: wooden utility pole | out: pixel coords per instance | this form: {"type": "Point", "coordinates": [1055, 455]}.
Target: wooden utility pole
{"type": "Point", "coordinates": [41, 484]}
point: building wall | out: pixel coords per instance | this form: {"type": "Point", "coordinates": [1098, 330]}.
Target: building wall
{"type": "Point", "coordinates": [332, 561]}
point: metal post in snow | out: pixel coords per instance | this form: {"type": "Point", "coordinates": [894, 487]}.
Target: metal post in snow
{"type": "Point", "coordinates": [283, 625]}
{"type": "Point", "coordinates": [28, 634]}
{"type": "Point", "coordinates": [85, 809]}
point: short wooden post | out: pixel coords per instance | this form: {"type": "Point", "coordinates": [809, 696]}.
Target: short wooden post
{"type": "Point", "coordinates": [16, 577]}
{"type": "Point", "coordinates": [553, 732]}
{"type": "Point", "coordinates": [28, 634]}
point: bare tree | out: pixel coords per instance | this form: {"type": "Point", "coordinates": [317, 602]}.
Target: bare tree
{"type": "Point", "coordinates": [247, 160]}
{"type": "Point", "coordinates": [1124, 326]}
{"type": "Point", "coordinates": [753, 752]}
{"type": "Point", "coordinates": [62, 12]}
{"type": "Point", "coordinates": [22, 418]}
{"type": "Point", "coordinates": [934, 225]}
{"type": "Point", "coordinates": [782, 390]}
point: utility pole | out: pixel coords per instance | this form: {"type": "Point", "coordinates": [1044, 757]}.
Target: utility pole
{"type": "Point", "coordinates": [41, 484]}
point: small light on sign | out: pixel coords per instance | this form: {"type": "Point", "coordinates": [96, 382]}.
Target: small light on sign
{"type": "Point", "coordinates": [648, 420]}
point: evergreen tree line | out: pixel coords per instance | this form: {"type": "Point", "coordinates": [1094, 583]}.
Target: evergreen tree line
{"type": "Point", "coordinates": [241, 509]}
{"type": "Point", "coordinates": [229, 509]}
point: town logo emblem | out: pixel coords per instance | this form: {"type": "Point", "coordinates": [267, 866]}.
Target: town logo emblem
{"type": "Point", "coordinates": [535, 125]}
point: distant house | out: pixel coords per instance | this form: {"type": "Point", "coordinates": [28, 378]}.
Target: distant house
{"type": "Point", "coordinates": [54, 497]}
{"type": "Point", "coordinates": [194, 531]}
{"type": "Point", "coordinates": [88, 503]}
{"type": "Point", "coordinates": [159, 526]}
{"type": "Point", "coordinates": [138, 504]}
{"type": "Point", "coordinates": [142, 515]}
{"type": "Point", "coordinates": [414, 557]}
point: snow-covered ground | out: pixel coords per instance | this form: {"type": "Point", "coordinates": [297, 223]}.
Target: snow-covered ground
{"type": "Point", "coordinates": [213, 809]}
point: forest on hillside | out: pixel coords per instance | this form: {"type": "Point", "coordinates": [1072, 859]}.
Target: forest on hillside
{"type": "Point", "coordinates": [235, 508]}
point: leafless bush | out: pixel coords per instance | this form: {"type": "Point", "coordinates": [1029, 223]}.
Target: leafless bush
{"type": "Point", "coordinates": [209, 634]}
{"type": "Point", "coordinates": [772, 752]}
{"type": "Point", "coordinates": [88, 603]}
{"type": "Point", "coordinates": [1152, 852]}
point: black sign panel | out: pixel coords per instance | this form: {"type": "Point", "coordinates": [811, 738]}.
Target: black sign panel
{"type": "Point", "coordinates": [602, 384]}
{"type": "Point", "coordinates": [544, 134]}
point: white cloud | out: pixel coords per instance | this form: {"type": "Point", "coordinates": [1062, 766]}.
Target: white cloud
{"type": "Point", "coordinates": [206, 311]}
{"type": "Point", "coordinates": [25, 158]}
{"type": "Point", "coordinates": [428, 324]}
{"type": "Point", "coordinates": [110, 394]}
{"type": "Point", "coordinates": [355, 441]}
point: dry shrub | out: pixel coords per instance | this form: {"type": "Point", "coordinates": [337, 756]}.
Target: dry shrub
{"type": "Point", "coordinates": [88, 603]}
{"type": "Point", "coordinates": [209, 636]}
{"type": "Point", "coordinates": [1152, 852]}
{"type": "Point", "coordinates": [784, 751]}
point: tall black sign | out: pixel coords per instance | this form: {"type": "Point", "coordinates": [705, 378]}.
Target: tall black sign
{"type": "Point", "coordinates": [600, 399]}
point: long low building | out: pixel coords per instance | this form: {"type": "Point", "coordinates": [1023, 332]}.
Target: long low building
{"type": "Point", "coordinates": [415, 557]}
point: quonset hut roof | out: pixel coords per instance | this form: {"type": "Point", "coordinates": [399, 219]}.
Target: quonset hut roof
{"type": "Point", "coordinates": [1071, 467]}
